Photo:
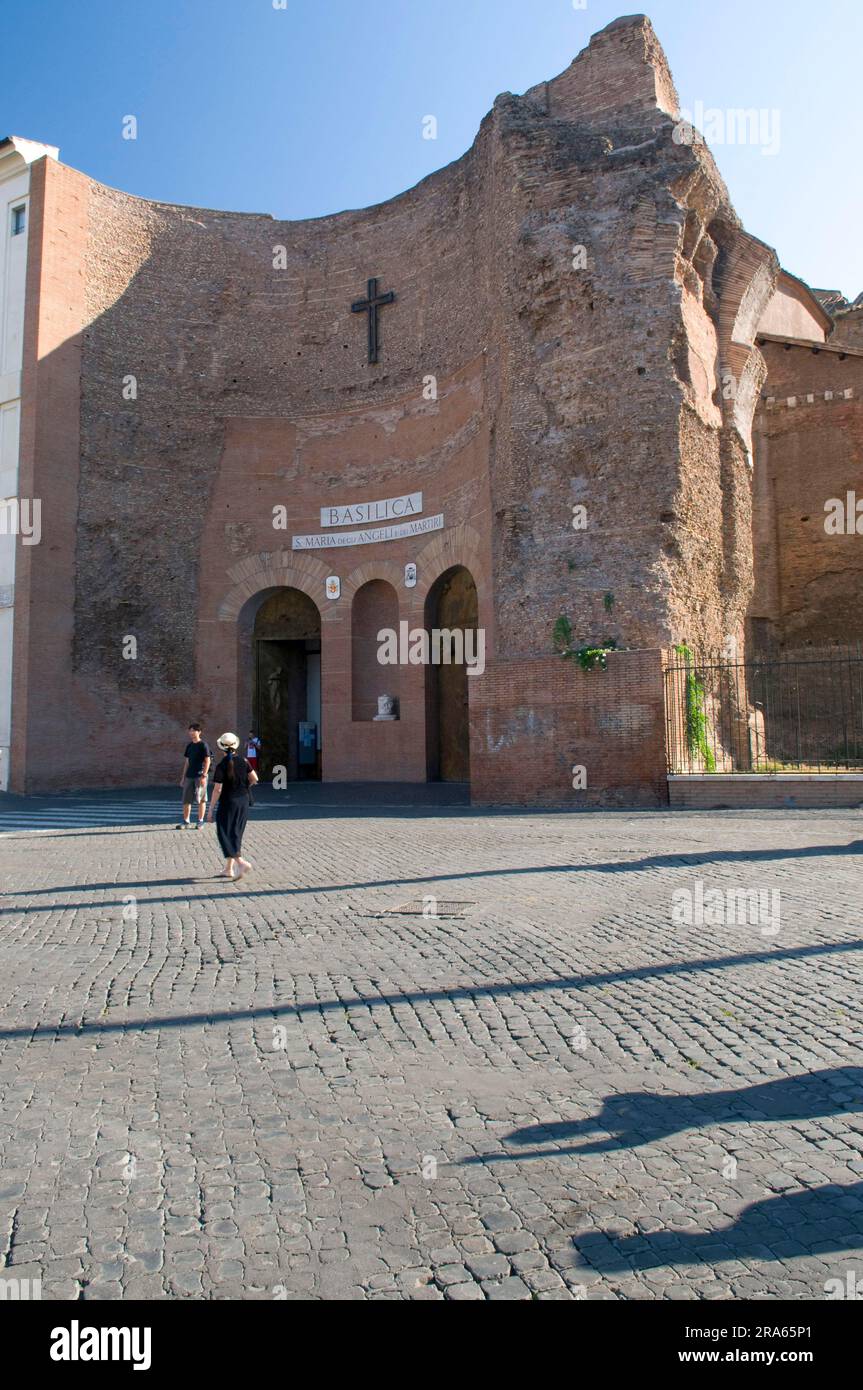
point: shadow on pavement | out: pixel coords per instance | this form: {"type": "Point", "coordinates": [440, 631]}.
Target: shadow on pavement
{"type": "Point", "coordinates": [364, 1003]}
{"type": "Point", "coordinates": [816, 1220]}
{"type": "Point", "coordinates": [637, 1118]}
{"type": "Point", "coordinates": [622, 866]}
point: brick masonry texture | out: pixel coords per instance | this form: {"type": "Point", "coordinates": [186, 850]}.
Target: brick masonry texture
{"type": "Point", "coordinates": [809, 582]}
{"type": "Point", "coordinates": [535, 721]}
{"type": "Point", "coordinates": [849, 325]}
{"type": "Point", "coordinates": [558, 385]}
{"type": "Point", "coordinates": [537, 1101]}
{"type": "Point", "coordinates": [718, 792]}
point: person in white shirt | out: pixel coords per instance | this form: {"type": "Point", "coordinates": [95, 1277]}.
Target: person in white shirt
{"type": "Point", "coordinates": [253, 744]}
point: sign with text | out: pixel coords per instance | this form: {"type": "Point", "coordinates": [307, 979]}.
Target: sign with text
{"type": "Point", "coordinates": [361, 513]}
{"type": "Point", "coordinates": [326, 541]}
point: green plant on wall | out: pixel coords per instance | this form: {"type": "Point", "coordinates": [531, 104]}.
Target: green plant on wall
{"type": "Point", "coordinates": [561, 635]}
{"type": "Point", "coordinates": [695, 700]}
{"type": "Point", "coordinates": [588, 658]}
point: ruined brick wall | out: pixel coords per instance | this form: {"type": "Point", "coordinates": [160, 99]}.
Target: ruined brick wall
{"type": "Point", "coordinates": [612, 374]}
{"type": "Point", "coordinates": [563, 378]}
{"type": "Point", "coordinates": [809, 449]}
{"type": "Point", "coordinates": [848, 329]}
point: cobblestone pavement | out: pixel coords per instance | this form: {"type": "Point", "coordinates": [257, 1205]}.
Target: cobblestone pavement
{"type": "Point", "coordinates": [285, 1088]}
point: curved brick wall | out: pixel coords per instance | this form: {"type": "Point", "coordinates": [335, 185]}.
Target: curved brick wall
{"type": "Point", "coordinates": [557, 385]}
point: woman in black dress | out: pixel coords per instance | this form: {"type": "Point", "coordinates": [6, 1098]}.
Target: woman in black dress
{"type": "Point", "coordinates": [232, 782]}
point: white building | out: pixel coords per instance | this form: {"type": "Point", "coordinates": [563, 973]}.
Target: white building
{"type": "Point", "coordinates": [16, 156]}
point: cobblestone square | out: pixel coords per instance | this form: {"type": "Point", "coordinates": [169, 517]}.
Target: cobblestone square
{"type": "Point", "coordinates": [557, 1088]}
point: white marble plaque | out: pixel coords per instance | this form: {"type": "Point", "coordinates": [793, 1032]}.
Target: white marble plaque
{"type": "Point", "coordinates": [365, 513]}
{"type": "Point", "coordinates": [328, 541]}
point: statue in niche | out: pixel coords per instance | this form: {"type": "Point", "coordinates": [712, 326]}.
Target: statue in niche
{"type": "Point", "coordinates": [386, 708]}
{"type": "Point", "coordinates": [276, 680]}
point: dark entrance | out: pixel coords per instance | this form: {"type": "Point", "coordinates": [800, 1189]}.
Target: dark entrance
{"type": "Point", "coordinates": [287, 684]}
{"type": "Point", "coordinates": [451, 604]}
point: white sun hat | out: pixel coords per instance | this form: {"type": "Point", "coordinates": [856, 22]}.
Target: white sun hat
{"type": "Point", "coordinates": [229, 743]}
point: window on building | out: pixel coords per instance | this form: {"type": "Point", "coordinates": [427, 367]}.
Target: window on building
{"type": "Point", "coordinates": [19, 220]}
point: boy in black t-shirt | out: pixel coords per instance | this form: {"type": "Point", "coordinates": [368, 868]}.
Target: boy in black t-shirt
{"type": "Point", "coordinates": [196, 765]}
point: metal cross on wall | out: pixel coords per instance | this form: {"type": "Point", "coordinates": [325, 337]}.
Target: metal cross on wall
{"type": "Point", "coordinates": [370, 306]}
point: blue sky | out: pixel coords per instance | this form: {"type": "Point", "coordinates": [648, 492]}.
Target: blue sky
{"type": "Point", "coordinates": [319, 106]}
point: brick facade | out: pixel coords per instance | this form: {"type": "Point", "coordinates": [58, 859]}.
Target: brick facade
{"type": "Point", "coordinates": [771, 791]}
{"type": "Point", "coordinates": [534, 722]}
{"type": "Point", "coordinates": [808, 450]}
{"type": "Point", "coordinates": [576, 285]}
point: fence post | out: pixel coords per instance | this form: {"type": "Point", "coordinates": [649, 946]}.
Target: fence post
{"type": "Point", "coordinates": [741, 746]}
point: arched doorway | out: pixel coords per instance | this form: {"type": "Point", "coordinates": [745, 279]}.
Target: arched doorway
{"type": "Point", "coordinates": [451, 605]}
{"type": "Point", "coordinates": [286, 684]}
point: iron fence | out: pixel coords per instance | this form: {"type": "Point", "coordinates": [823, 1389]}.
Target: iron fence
{"type": "Point", "coordinates": [788, 712]}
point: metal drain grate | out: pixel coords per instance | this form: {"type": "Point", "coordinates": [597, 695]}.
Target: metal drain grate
{"type": "Point", "coordinates": [430, 908]}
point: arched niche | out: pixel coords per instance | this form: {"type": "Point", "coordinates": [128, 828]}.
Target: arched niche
{"type": "Point", "coordinates": [375, 608]}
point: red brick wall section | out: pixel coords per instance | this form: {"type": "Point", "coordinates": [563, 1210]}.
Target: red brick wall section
{"type": "Point", "coordinates": [765, 791]}
{"type": "Point", "coordinates": [809, 583]}
{"type": "Point", "coordinates": [532, 721]}
{"type": "Point", "coordinates": [849, 329]}
{"type": "Point", "coordinates": [53, 726]}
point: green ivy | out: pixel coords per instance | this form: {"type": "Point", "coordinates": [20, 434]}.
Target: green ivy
{"type": "Point", "coordinates": [696, 711]}
{"type": "Point", "coordinates": [562, 635]}
{"type": "Point", "coordinates": [588, 658]}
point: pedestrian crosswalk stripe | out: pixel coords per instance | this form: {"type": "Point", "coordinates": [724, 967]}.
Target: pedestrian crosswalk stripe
{"type": "Point", "coordinates": [79, 813]}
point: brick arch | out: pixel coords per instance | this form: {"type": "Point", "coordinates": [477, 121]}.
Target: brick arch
{"type": "Point", "coordinates": [452, 601]}
{"type": "Point", "coordinates": [370, 570]}
{"type": "Point", "coordinates": [459, 546]}
{"type": "Point", "coordinates": [274, 570]}
{"type": "Point", "coordinates": [746, 279]}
